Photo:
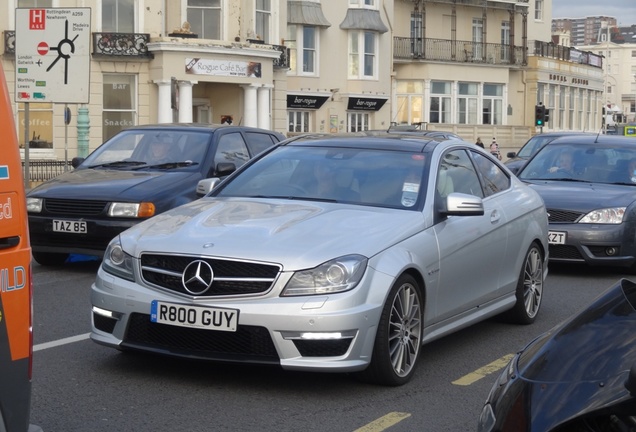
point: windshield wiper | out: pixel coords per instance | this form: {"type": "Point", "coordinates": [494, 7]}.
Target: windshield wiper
{"type": "Point", "coordinates": [123, 163]}
{"type": "Point", "coordinates": [169, 165]}
{"type": "Point", "coordinates": [292, 197]}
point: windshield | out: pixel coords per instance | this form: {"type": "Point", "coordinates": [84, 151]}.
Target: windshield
{"type": "Point", "coordinates": [139, 149]}
{"type": "Point", "coordinates": [533, 145]}
{"type": "Point", "coordinates": [357, 176]}
{"type": "Point", "coordinates": [583, 162]}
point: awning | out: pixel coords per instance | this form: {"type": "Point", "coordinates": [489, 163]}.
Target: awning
{"type": "Point", "coordinates": [300, 101]}
{"type": "Point", "coordinates": [306, 13]}
{"type": "Point", "coordinates": [365, 104]}
{"type": "Point", "coordinates": [363, 19]}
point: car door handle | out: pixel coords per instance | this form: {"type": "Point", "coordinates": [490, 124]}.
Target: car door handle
{"type": "Point", "coordinates": [7, 242]}
{"type": "Point", "coordinates": [494, 216]}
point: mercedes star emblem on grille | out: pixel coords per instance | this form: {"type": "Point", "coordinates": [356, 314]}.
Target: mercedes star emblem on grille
{"type": "Point", "coordinates": [197, 277]}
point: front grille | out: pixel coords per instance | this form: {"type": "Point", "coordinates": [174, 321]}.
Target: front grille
{"type": "Point", "coordinates": [322, 348]}
{"type": "Point", "coordinates": [230, 277]}
{"type": "Point", "coordinates": [564, 216]}
{"type": "Point", "coordinates": [565, 252]}
{"type": "Point", "coordinates": [70, 241]}
{"type": "Point", "coordinates": [74, 207]}
{"type": "Point", "coordinates": [248, 343]}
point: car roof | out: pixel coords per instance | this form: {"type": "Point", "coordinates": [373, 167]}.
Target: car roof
{"type": "Point", "coordinates": [561, 133]}
{"type": "Point", "coordinates": [599, 140]}
{"type": "Point", "coordinates": [205, 127]}
{"type": "Point", "coordinates": [398, 142]}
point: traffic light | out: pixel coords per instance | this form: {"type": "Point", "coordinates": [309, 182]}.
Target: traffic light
{"type": "Point", "coordinates": [539, 115]}
{"type": "Point", "coordinates": [546, 116]}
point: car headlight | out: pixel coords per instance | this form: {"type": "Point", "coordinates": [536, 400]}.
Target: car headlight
{"type": "Point", "coordinates": [131, 210]}
{"type": "Point", "coordinates": [605, 216]}
{"type": "Point", "coordinates": [117, 262]}
{"type": "Point", "coordinates": [338, 275]}
{"type": "Point", "coordinates": [34, 205]}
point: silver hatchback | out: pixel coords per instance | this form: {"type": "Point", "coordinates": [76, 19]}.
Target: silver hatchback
{"type": "Point", "coordinates": [341, 255]}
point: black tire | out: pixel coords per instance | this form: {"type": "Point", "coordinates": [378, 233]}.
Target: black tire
{"type": "Point", "coordinates": [529, 291]}
{"type": "Point", "coordinates": [399, 336]}
{"type": "Point", "coordinates": [50, 258]}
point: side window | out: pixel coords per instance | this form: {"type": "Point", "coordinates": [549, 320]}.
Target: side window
{"type": "Point", "coordinates": [232, 149]}
{"type": "Point", "coordinates": [493, 177]}
{"type": "Point", "coordinates": [258, 142]}
{"type": "Point", "coordinates": [457, 174]}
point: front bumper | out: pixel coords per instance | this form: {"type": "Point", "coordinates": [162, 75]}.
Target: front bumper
{"type": "Point", "coordinates": [99, 233]}
{"type": "Point", "coordinates": [596, 245]}
{"type": "Point", "coordinates": [332, 333]}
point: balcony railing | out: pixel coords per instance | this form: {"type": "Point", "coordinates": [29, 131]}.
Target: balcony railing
{"type": "Point", "coordinates": [405, 48]}
{"type": "Point", "coordinates": [9, 41]}
{"type": "Point", "coordinates": [282, 62]}
{"type": "Point", "coordinates": [560, 52]}
{"type": "Point", "coordinates": [121, 44]}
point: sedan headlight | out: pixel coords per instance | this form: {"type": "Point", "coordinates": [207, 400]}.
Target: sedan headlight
{"type": "Point", "coordinates": [605, 216]}
{"type": "Point", "coordinates": [131, 210]}
{"type": "Point", "coordinates": [117, 262]}
{"type": "Point", "coordinates": [34, 205]}
{"type": "Point", "coordinates": [338, 275]}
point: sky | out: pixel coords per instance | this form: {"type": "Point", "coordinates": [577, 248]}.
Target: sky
{"type": "Point", "coordinates": [623, 10]}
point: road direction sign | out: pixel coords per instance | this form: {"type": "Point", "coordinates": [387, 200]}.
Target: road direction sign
{"type": "Point", "coordinates": [52, 51]}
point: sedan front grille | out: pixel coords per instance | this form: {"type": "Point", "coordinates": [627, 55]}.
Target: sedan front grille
{"type": "Point", "coordinates": [74, 207]}
{"type": "Point", "coordinates": [231, 278]}
{"type": "Point", "coordinates": [248, 343]}
{"type": "Point", "coordinates": [565, 252]}
{"type": "Point", "coordinates": [564, 216]}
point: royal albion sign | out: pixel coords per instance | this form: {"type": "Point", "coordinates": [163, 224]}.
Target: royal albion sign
{"type": "Point", "coordinates": [306, 102]}
{"type": "Point", "coordinates": [365, 104]}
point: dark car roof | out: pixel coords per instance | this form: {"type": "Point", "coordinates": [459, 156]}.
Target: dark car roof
{"type": "Point", "coordinates": [593, 139]}
{"type": "Point", "coordinates": [399, 142]}
{"type": "Point", "coordinates": [204, 127]}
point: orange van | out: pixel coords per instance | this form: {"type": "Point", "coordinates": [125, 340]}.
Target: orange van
{"type": "Point", "coordinates": [16, 341]}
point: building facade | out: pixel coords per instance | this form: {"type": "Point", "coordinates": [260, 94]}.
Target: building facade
{"type": "Point", "coordinates": [476, 68]}
{"type": "Point", "coordinates": [583, 31]}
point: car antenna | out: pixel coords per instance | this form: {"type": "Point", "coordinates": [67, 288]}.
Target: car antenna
{"type": "Point", "coordinates": [597, 136]}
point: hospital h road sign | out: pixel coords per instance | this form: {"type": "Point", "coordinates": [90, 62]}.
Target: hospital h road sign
{"type": "Point", "coordinates": [52, 51]}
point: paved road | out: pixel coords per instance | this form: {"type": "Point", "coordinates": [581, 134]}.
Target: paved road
{"type": "Point", "coordinates": [81, 386]}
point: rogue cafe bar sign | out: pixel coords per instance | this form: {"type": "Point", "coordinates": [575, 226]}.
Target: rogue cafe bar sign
{"type": "Point", "coordinates": [365, 104]}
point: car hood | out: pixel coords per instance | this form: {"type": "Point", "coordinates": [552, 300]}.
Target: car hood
{"type": "Point", "coordinates": [110, 185]}
{"type": "Point", "coordinates": [296, 234]}
{"type": "Point", "coordinates": [583, 197]}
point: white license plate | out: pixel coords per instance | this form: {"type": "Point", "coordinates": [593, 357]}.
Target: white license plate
{"type": "Point", "coordinates": [67, 226]}
{"type": "Point", "coordinates": [556, 237]}
{"type": "Point", "coordinates": [194, 316]}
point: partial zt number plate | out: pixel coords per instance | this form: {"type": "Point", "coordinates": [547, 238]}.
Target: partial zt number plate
{"type": "Point", "coordinates": [194, 316]}
{"type": "Point", "coordinates": [556, 237]}
{"type": "Point", "coordinates": [67, 226]}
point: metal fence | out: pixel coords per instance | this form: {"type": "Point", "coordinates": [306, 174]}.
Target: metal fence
{"type": "Point", "coordinates": [43, 170]}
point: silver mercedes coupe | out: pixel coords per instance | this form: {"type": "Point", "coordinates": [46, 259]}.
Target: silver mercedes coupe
{"type": "Point", "coordinates": [332, 254]}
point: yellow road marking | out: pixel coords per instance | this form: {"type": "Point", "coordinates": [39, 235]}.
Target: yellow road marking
{"type": "Point", "coordinates": [484, 371]}
{"type": "Point", "coordinates": [384, 422]}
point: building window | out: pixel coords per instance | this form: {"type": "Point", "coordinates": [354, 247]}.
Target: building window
{"type": "Point", "coordinates": [478, 38]}
{"type": "Point", "coordinates": [505, 41]}
{"type": "Point", "coordinates": [40, 125]}
{"type": "Point", "coordinates": [357, 122]}
{"type": "Point", "coordinates": [561, 107]}
{"type": "Point", "coordinates": [118, 16]}
{"type": "Point", "coordinates": [204, 17]}
{"type": "Point", "coordinates": [362, 54]}
{"type": "Point", "coordinates": [417, 34]}
{"type": "Point", "coordinates": [467, 103]}
{"type": "Point", "coordinates": [633, 53]}
{"type": "Point", "coordinates": [538, 10]}
{"type": "Point", "coordinates": [120, 104]}
{"type": "Point", "coordinates": [409, 102]}
{"type": "Point", "coordinates": [299, 121]}
{"type": "Point", "coordinates": [492, 110]}
{"type": "Point", "coordinates": [571, 101]}
{"type": "Point", "coordinates": [440, 102]}
{"type": "Point", "coordinates": [367, 4]}
{"type": "Point", "coordinates": [263, 20]}
{"type": "Point", "coordinates": [305, 37]}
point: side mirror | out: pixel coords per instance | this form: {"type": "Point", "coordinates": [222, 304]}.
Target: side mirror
{"type": "Point", "coordinates": [225, 168]}
{"type": "Point", "coordinates": [459, 204]}
{"type": "Point", "coordinates": [511, 154]}
{"type": "Point", "coordinates": [206, 185]}
{"type": "Point", "coordinates": [76, 161]}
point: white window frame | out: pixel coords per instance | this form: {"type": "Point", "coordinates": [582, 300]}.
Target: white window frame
{"type": "Point", "coordinates": [364, 4]}
{"type": "Point", "coordinates": [135, 27]}
{"type": "Point", "coordinates": [358, 121]}
{"type": "Point", "coordinates": [267, 16]}
{"type": "Point", "coordinates": [444, 100]}
{"type": "Point", "coordinates": [496, 105]}
{"type": "Point", "coordinates": [359, 57]}
{"type": "Point", "coordinates": [538, 10]}
{"type": "Point", "coordinates": [297, 48]}
{"type": "Point", "coordinates": [223, 17]}
{"type": "Point", "coordinates": [299, 121]}
{"type": "Point", "coordinates": [135, 92]}
{"type": "Point", "coordinates": [471, 112]}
